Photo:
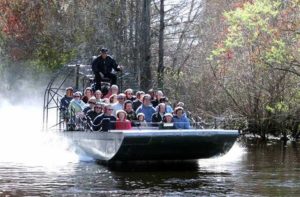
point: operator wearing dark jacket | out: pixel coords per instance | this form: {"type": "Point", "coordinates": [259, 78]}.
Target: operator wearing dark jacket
{"type": "Point", "coordinates": [102, 67]}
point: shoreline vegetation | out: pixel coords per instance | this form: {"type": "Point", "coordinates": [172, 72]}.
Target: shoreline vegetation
{"type": "Point", "coordinates": [236, 64]}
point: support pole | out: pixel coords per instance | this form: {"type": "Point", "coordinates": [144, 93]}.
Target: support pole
{"type": "Point", "coordinates": [77, 77]}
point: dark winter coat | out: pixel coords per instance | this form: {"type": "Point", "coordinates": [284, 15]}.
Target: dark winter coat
{"type": "Point", "coordinates": [90, 116]}
{"type": "Point", "coordinates": [64, 102]}
{"type": "Point", "coordinates": [132, 117]}
{"type": "Point", "coordinates": [104, 66]}
{"type": "Point", "coordinates": [156, 119]}
{"type": "Point", "coordinates": [136, 104]}
{"type": "Point", "coordinates": [98, 120]}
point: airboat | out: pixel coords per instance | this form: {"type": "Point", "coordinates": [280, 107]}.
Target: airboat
{"type": "Point", "coordinates": [148, 144]}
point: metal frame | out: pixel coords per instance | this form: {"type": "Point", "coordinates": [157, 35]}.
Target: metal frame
{"type": "Point", "coordinates": [55, 90]}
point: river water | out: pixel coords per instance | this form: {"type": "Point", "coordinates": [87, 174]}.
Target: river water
{"type": "Point", "coordinates": [35, 163]}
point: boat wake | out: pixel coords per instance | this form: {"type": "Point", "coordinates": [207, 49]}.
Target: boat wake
{"type": "Point", "coordinates": [222, 163]}
{"type": "Point", "coordinates": [22, 141]}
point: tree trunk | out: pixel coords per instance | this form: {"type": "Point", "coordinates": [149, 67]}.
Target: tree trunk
{"type": "Point", "coordinates": [146, 76]}
{"type": "Point", "coordinates": [137, 44]}
{"type": "Point", "coordinates": [160, 70]}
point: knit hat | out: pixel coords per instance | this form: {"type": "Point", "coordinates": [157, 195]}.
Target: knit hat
{"type": "Point", "coordinates": [177, 108]}
{"type": "Point", "coordinates": [140, 114]}
{"type": "Point", "coordinates": [168, 114]}
{"type": "Point", "coordinates": [120, 111]}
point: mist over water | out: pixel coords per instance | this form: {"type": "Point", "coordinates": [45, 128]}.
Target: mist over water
{"type": "Point", "coordinates": [23, 141]}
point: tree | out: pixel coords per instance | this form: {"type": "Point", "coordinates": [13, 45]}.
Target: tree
{"type": "Point", "coordinates": [160, 70]}
{"type": "Point", "coordinates": [250, 63]}
{"type": "Point", "coordinates": [146, 75]}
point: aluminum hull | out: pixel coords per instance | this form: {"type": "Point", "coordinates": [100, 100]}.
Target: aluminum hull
{"type": "Point", "coordinates": [145, 145]}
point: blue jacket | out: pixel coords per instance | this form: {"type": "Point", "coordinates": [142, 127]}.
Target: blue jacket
{"type": "Point", "coordinates": [181, 123]}
{"type": "Point", "coordinates": [169, 109]}
{"type": "Point", "coordinates": [147, 110]}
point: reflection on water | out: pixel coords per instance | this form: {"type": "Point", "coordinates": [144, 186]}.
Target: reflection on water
{"type": "Point", "coordinates": [34, 163]}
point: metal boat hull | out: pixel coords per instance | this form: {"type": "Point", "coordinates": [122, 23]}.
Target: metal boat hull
{"type": "Point", "coordinates": [153, 144]}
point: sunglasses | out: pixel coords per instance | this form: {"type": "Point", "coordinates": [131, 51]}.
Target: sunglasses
{"type": "Point", "coordinates": [92, 103]}
{"type": "Point", "coordinates": [76, 96]}
{"type": "Point", "coordinates": [98, 107]}
{"type": "Point", "coordinates": [110, 109]}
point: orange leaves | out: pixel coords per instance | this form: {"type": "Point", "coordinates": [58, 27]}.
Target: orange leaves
{"type": "Point", "coordinates": [241, 4]}
{"type": "Point", "coordinates": [20, 20]}
{"type": "Point", "coordinates": [10, 20]}
{"type": "Point", "coordinates": [17, 17]}
{"type": "Point", "coordinates": [13, 26]}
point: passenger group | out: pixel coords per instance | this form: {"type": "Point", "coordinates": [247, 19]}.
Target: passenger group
{"type": "Point", "coordinates": [122, 111]}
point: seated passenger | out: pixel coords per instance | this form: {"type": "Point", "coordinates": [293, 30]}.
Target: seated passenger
{"type": "Point", "coordinates": [120, 104]}
{"type": "Point", "coordinates": [92, 114]}
{"type": "Point", "coordinates": [122, 123]}
{"type": "Point", "coordinates": [114, 89]}
{"type": "Point", "coordinates": [180, 121]}
{"type": "Point", "coordinates": [159, 94]}
{"type": "Point", "coordinates": [76, 106]}
{"type": "Point", "coordinates": [139, 100]}
{"type": "Point", "coordinates": [98, 96]}
{"type": "Point", "coordinates": [107, 114]}
{"type": "Point", "coordinates": [113, 99]}
{"type": "Point", "coordinates": [165, 100]}
{"type": "Point", "coordinates": [181, 104]}
{"type": "Point", "coordinates": [167, 122]}
{"type": "Point", "coordinates": [152, 93]}
{"type": "Point", "coordinates": [131, 115]}
{"type": "Point", "coordinates": [64, 103]}
{"type": "Point", "coordinates": [158, 116]}
{"type": "Point", "coordinates": [146, 108]}
{"type": "Point", "coordinates": [91, 104]}
{"type": "Point", "coordinates": [88, 93]}
{"type": "Point", "coordinates": [141, 122]}
{"type": "Point", "coordinates": [129, 94]}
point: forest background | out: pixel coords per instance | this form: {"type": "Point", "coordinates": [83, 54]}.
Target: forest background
{"type": "Point", "coordinates": [234, 61]}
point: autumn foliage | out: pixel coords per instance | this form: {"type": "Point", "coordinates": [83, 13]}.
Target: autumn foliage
{"type": "Point", "coordinates": [257, 57]}
{"type": "Point", "coordinates": [20, 23]}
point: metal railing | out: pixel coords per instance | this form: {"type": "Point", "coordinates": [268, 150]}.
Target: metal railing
{"type": "Point", "coordinates": [79, 77]}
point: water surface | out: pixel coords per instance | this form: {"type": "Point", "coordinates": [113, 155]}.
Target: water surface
{"type": "Point", "coordinates": [251, 168]}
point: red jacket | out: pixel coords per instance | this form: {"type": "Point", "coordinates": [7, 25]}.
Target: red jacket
{"type": "Point", "coordinates": [123, 125]}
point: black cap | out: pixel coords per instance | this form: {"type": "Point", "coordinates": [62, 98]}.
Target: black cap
{"type": "Point", "coordinates": [104, 50]}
